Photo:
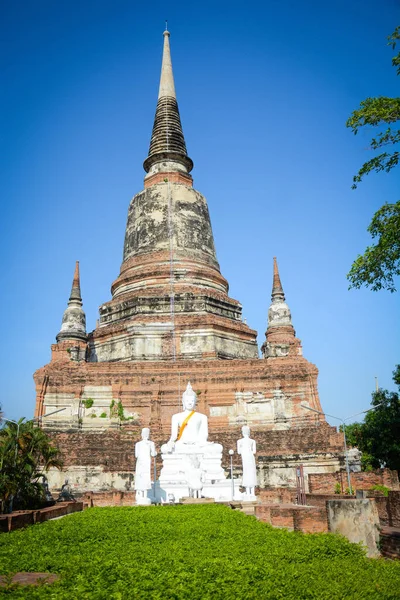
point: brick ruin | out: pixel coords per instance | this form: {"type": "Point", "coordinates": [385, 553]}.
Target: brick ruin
{"type": "Point", "coordinates": [170, 320]}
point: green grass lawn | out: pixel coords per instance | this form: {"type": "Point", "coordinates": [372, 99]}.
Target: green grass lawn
{"type": "Point", "coordinates": [189, 553]}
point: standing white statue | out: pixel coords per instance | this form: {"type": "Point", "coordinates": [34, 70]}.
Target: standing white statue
{"type": "Point", "coordinates": [246, 447]}
{"type": "Point", "coordinates": [144, 451]}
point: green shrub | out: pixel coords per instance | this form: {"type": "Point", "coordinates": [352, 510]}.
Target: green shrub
{"type": "Point", "coordinates": [121, 412]}
{"type": "Point", "coordinates": [201, 552]}
{"type": "Point", "coordinates": [381, 488]}
{"type": "Point", "coordinates": [338, 488]}
{"type": "Point", "coordinates": [113, 409]}
{"type": "Point", "coordinates": [103, 415]}
{"type": "Point", "coordinates": [88, 402]}
{"type": "Point", "coordinates": [93, 416]}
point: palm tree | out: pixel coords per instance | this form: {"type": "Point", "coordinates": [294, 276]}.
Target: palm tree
{"type": "Point", "coordinates": [26, 453]}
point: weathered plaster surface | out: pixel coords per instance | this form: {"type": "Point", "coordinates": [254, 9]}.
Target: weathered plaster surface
{"type": "Point", "coordinates": [150, 212]}
{"type": "Point", "coordinates": [358, 520]}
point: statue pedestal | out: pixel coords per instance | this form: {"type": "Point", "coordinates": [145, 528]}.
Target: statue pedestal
{"type": "Point", "coordinates": [193, 470]}
{"type": "Point", "coordinates": [143, 501]}
{"type": "Point", "coordinates": [188, 500]}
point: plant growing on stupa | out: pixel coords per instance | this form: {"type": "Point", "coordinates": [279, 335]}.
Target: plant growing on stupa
{"type": "Point", "coordinates": [88, 402]}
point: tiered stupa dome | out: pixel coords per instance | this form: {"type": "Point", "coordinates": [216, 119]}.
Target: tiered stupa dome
{"type": "Point", "coordinates": [170, 299]}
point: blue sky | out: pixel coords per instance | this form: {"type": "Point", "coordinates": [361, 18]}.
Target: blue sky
{"type": "Point", "coordinates": [264, 90]}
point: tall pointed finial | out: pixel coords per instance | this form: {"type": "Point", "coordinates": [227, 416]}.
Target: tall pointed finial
{"type": "Point", "coordinates": [167, 85]}
{"type": "Point", "coordinates": [166, 25]}
{"type": "Point", "coordinates": [277, 289]}
{"type": "Point", "coordinates": [76, 285]}
{"type": "Point", "coordinates": [73, 325]}
{"type": "Point", "coordinates": [167, 145]}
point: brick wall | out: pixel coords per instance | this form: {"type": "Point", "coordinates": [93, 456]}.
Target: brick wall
{"type": "Point", "coordinates": [152, 388]}
{"type": "Point", "coordinates": [282, 517]}
{"type": "Point", "coordinates": [114, 449]}
{"type": "Point", "coordinates": [390, 543]}
{"type": "Point", "coordinates": [319, 500]}
{"type": "Point", "coordinates": [393, 503]}
{"type": "Point", "coordinates": [276, 495]}
{"type": "Point", "coordinates": [17, 520]}
{"type": "Point", "coordinates": [311, 439]}
{"type": "Point", "coordinates": [23, 518]}
{"type": "Point", "coordinates": [324, 483]}
{"type": "Point", "coordinates": [110, 498]}
{"type": "Point", "coordinates": [263, 513]}
{"type": "Point", "coordinates": [298, 518]}
{"type": "Point", "coordinates": [311, 520]}
{"type": "Point", "coordinates": [391, 479]}
{"type": "Point", "coordinates": [381, 505]}
{"type": "Point", "coordinates": [389, 509]}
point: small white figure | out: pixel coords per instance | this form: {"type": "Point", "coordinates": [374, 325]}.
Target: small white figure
{"type": "Point", "coordinates": [144, 451]}
{"type": "Point", "coordinates": [246, 447]}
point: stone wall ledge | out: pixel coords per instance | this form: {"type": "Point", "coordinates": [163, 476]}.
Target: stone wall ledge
{"type": "Point", "coordinates": [23, 518]}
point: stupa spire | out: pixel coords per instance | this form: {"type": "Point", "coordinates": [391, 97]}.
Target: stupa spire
{"type": "Point", "coordinates": [73, 326]}
{"type": "Point", "coordinates": [280, 334]}
{"type": "Point", "coordinates": [277, 289]}
{"type": "Point", "coordinates": [279, 313]}
{"type": "Point", "coordinates": [167, 152]}
{"type": "Point", "coordinates": [76, 286]}
{"type": "Point", "coordinates": [167, 85]}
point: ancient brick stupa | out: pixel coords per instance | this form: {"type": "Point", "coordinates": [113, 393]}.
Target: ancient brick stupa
{"type": "Point", "coordinates": [170, 320]}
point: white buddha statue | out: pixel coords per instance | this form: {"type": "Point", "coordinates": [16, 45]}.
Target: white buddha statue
{"type": "Point", "coordinates": [191, 464]}
{"type": "Point", "coordinates": [189, 429]}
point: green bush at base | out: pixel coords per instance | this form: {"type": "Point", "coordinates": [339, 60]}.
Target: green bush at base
{"type": "Point", "coordinates": [203, 552]}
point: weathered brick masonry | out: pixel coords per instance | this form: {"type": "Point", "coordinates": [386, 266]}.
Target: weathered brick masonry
{"type": "Point", "coordinates": [151, 390]}
{"type": "Point", "coordinates": [114, 450]}
{"type": "Point", "coordinates": [325, 483]}
{"type": "Point", "coordinates": [390, 542]}
{"type": "Point", "coordinates": [96, 460]}
{"type": "Point", "coordinates": [296, 518]}
{"type": "Point", "coordinates": [389, 509]}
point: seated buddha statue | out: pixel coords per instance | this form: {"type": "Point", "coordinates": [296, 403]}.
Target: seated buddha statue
{"type": "Point", "coordinates": [189, 429]}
